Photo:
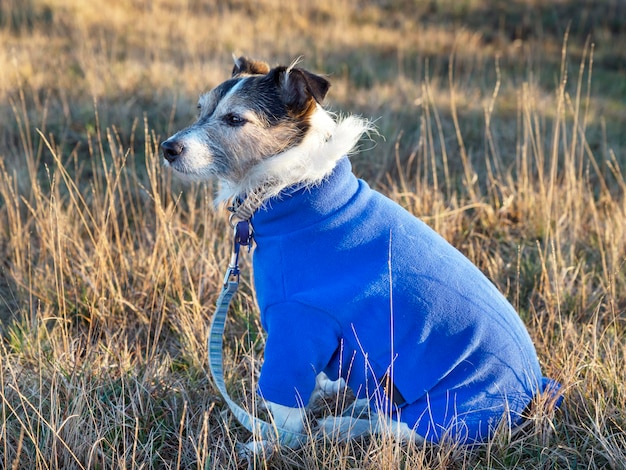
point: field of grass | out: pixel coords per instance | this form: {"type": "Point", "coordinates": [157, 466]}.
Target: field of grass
{"type": "Point", "coordinates": [501, 125]}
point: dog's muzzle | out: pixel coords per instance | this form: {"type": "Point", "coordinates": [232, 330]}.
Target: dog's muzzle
{"type": "Point", "coordinates": [172, 150]}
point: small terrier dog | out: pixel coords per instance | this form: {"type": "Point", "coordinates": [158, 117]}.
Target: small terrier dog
{"type": "Point", "coordinates": [353, 289]}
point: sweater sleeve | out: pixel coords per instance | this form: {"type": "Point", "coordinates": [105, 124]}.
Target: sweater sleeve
{"type": "Point", "coordinates": [300, 343]}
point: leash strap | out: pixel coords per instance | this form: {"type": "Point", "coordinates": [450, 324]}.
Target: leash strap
{"type": "Point", "coordinates": [258, 427]}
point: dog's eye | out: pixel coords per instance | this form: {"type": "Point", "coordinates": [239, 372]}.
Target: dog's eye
{"type": "Point", "coordinates": [233, 120]}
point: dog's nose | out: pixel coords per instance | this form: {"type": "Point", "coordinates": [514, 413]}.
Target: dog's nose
{"type": "Point", "coordinates": [171, 150]}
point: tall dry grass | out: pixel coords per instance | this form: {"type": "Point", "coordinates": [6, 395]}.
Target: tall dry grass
{"type": "Point", "coordinates": [109, 270]}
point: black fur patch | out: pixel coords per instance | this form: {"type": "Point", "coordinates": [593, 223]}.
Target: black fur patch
{"type": "Point", "coordinates": [216, 96]}
{"type": "Point", "coordinates": [223, 88]}
{"type": "Point", "coordinates": [280, 98]}
{"type": "Point", "coordinates": [264, 98]}
{"type": "Point", "coordinates": [282, 95]}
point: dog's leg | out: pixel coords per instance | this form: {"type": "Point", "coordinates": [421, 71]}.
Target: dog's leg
{"type": "Point", "coordinates": [292, 419]}
{"type": "Point", "coordinates": [343, 428]}
{"type": "Point", "coordinates": [347, 427]}
{"type": "Point", "coordinates": [326, 388]}
{"type": "Point", "coordinates": [360, 408]}
{"type": "Point", "coordinates": [283, 417]}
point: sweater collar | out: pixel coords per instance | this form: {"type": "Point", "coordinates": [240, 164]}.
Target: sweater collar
{"type": "Point", "coordinates": [297, 207]}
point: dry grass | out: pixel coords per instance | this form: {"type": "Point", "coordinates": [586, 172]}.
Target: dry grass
{"type": "Point", "coordinates": [506, 142]}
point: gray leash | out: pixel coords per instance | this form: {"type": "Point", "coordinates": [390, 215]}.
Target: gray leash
{"type": "Point", "coordinates": [258, 427]}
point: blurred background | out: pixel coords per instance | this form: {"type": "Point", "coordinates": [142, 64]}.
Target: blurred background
{"type": "Point", "coordinates": [152, 58]}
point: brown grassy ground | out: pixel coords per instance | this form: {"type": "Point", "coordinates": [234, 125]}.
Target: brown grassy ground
{"type": "Point", "coordinates": [508, 143]}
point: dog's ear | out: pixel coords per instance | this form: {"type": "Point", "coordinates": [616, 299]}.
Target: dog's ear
{"type": "Point", "coordinates": [299, 86]}
{"type": "Point", "coordinates": [248, 66]}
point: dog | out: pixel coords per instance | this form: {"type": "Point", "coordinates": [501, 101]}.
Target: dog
{"type": "Point", "coordinates": [353, 290]}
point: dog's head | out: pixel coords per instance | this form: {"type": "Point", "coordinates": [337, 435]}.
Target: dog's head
{"type": "Point", "coordinates": [257, 113]}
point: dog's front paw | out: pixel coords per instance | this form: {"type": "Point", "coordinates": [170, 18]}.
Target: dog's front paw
{"type": "Point", "coordinates": [258, 449]}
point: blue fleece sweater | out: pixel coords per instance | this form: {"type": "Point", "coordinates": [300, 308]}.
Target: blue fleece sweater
{"type": "Point", "coordinates": [351, 284]}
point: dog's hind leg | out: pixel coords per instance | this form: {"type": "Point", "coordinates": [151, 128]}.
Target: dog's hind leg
{"type": "Point", "coordinates": [343, 428]}
{"type": "Point", "coordinates": [347, 427]}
